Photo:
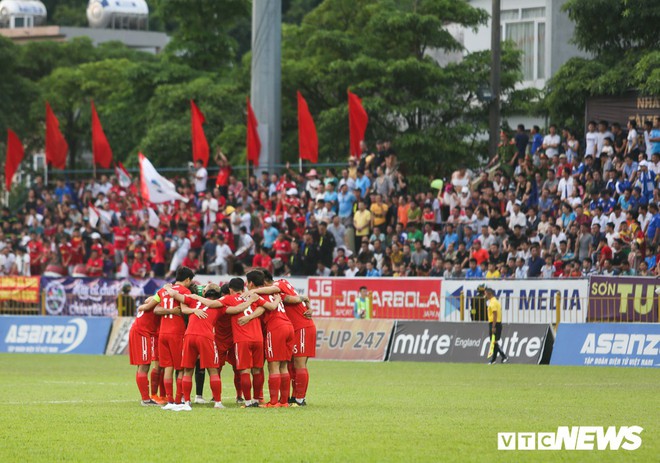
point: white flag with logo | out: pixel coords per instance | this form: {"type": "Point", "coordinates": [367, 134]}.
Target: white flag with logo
{"type": "Point", "coordinates": [154, 221]}
{"type": "Point", "coordinates": [154, 187]}
{"type": "Point", "coordinates": [96, 214]}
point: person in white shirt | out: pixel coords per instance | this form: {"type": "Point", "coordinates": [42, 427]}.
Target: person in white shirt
{"type": "Point", "coordinates": [201, 177]}
{"type": "Point", "coordinates": [223, 255]}
{"type": "Point", "coordinates": [566, 185]}
{"type": "Point", "coordinates": [591, 138]}
{"type": "Point", "coordinates": [633, 138]}
{"type": "Point", "coordinates": [22, 262]}
{"type": "Point", "coordinates": [551, 142]}
{"type": "Point", "coordinates": [352, 269]}
{"type": "Point", "coordinates": [617, 218]}
{"type": "Point", "coordinates": [557, 237]}
{"type": "Point", "coordinates": [180, 247]}
{"type": "Point", "coordinates": [521, 269]}
{"type": "Point", "coordinates": [648, 127]}
{"type": "Point", "coordinates": [603, 133]}
{"type": "Point", "coordinates": [517, 217]}
{"type": "Point", "coordinates": [210, 207]}
{"type": "Point", "coordinates": [313, 185]}
{"type": "Point", "coordinates": [429, 236]}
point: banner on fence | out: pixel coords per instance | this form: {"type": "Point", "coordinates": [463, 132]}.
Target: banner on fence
{"type": "Point", "coordinates": [19, 289]}
{"type": "Point", "coordinates": [409, 298]}
{"type": "Point", "coordinates": [608, 344]}
{"type": "Point", "coordinates": [523, 301]}
{"type": "Point", "coordinates": [416, 341]}
{"type": "Point", "coordinates": [623, 299]}
{"type": "Point", "coordinates": [345, 339]}
{"type": "Point", "coordinates": [92, 296]}
{"type": "Point", "coordinates": [118, 340]}
{"type": "Point", "coordinates": [54, 335]}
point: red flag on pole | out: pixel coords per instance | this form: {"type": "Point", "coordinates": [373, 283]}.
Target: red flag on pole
{"type": "Point", "coordinates": [308, 142]}
{"type": "Point", "coordinates": [15, 153]}
{"type": "Point", "coordinates": [56, 145]}
{"type": "Point", "coordinates": [253, 141]}
{"type": "Point", "coordinates": [357, 122]}
{"type": "Point", "coordinates": [100, 145]}
{"type": "Point", "coordinates": [200, 146]}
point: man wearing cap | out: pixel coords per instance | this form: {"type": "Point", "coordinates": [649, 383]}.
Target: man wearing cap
{"type": "Point", "coordinates": [313, 184]}
{"type": "Point", "coordinates": [494, 309]}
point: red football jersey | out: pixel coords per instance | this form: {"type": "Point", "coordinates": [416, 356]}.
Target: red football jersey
{"type": "Point", "coordinates": [203, 326]}
{"type": "Point", "coordinates": [146, 323]}
{"type": "Point", "coordinates": [250, 332]}
{"type": "Point", "coordinates": [275, 318]}
{"type": "Point", "coordinates": [294, 311]}
{"type": "Point", "coordinates": [223, 333]}
{"type": "Point", "coordinates": [172, 324]}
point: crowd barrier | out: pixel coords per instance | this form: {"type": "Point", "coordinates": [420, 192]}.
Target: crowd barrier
{"type": "Point", "coordinates": [54, 335]}
{"type": "Point", "coordinates": [597, 299]}
{"type": "Point", "coordinates": [608, 344]}
{"type": "Point", "coordinates": [598, 344]}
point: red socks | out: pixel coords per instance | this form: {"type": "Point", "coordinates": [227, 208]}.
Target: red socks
{"type": "Point", "coordinates": [169, 390]}
{"type": "Point", "coordinates": [246, 386]}
{"type": "Point", "coordinates": [155, 380]}
{"type": "Point", "coordinates": [237, 384]}
{"type": "Point", "coordinates": [187, 387]}
{"type": "Point", "coordinates": [284, 388]}
{"type": "Point", "coordinates": [162, 384]}
{"type": "Point", "coordinates": [216, 387]}
{"type": "Point", "coordinates": [292, 374]}
{"type": "Point", "coordinates": [274, 387]}
{"type": "Point", "coordinates": [302, 380]}
{"type": "Point", "coordinates": [179, 389]}
{"type": "Point", "coordinates": [142, 381]}
{"type": "Point", "coordinates": [259, 379]}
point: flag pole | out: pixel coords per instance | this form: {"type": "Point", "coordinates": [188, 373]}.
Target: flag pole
{"type": "Point", "coordinates": [300, 165]}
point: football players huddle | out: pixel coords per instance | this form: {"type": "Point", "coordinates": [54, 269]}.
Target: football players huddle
{"type": "Point", "coordinates": [243, 326]}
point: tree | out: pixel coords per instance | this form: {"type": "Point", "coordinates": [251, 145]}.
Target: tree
{"type": "Point", "coordinates": [623, 45]}
{"type": "Point", "coordinates": [381, 51]}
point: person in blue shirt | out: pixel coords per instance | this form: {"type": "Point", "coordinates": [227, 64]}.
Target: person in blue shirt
{"type": "Point", "coordinates": [345, 201]}
{"type": "Point", "coordinates": [371, 270]}
{"type": "Point", "coordinates": [451, 237]}
{"type": "Point", "coordinates": [330, 195]}
{"type": "Point", "coordinates": [654, 224]}
{"type": "Point", "coordinates": [655, 136]}
{"type": "Point", "coordinates": [606, 202]}
{"type": "Point", "coordinates": [362, 182]}
{"type": "Point", "coordinates": [646, 180]}
{"type": "Point", "coordinates": [537, 139]}
{"type": "Point", "coordinates": [473, 271]}
{"type": "Point", "coordinates": [270, 233]}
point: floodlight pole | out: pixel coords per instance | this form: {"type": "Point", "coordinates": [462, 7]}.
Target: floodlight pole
{"type": "Point", "coordinates": [496, 58]}
{"type": "Point", "coordinates": [266, 88]}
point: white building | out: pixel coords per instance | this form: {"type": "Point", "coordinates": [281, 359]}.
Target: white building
{"type": "Point", "coordinates": [539, 28]}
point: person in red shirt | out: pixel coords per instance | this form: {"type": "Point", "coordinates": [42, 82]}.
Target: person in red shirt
{"type": "Point", "coordinates": [96, 243]}
{"type": "Point", "coordinates": [282, 248]}
{"type": "Point", "coordinates": [248, 339]}
{"type": "Point", "coordinates": [157, 255]}
{"type": "Point", "coordinates": [279, 343]}
{"type": "Point", "coordinates": [142, 346]}
{"type": "Point", "coordinates": [35, 249]}
{"type": "Point", "coordinates": [304, 346]}
{"type": "Point", "coordinates": [140, 267]}
{"type": "Point", "coordinates": [199, 339]}
{"type": "Point", "coordinates": [95, 264]}
{"type": "Point", "coordinates": [262, 259]}
{"type": "Point", "coordinates": [478, 253]}
{"type": "Point", "coordinates": [170, 336]}
{"type": "Point", "coordinates": [121, 233]}
{"type": "Point", "coordinates": [222, 181]}
{"type": "Point", "coordinates": [191, 261]}
{"type": "Point", "coordinates": [66, 253]}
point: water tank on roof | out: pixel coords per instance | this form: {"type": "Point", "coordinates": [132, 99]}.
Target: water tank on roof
{"type": "Point", "coordinates": [16, 14]}
{"type": "Point", "coordinates": [118, 14]}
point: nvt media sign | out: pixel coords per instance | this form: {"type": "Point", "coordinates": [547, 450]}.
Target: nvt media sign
{"type": "Point", "coordinates": [54, 335]}
{"type": "Point", "coordinates": [523, 301]}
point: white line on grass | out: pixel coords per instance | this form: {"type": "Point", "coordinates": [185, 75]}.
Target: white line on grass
{"type": "Point", "coordinates": [66, 402]}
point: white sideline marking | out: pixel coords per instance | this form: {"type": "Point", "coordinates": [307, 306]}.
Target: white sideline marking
{"type": "Point", "coordinates": [58, 402]}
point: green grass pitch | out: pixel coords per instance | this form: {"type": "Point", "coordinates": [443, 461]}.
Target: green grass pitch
{"type": "Point", "coordinates": [85, 408]}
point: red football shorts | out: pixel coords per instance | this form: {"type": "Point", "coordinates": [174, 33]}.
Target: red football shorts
{"type": "Point", "coordinates": [225, 351]}
{"type": "Point", "coordinates": [169, 350]}
{"type": "Point", "coordinates": [154, 350]}
{"type": "Point", "coordinates": [249, 355]}
{"type": "Point", "coordinates": [140, 348]}
{"type": "Point", "coordinates": [304, 342]}
{"type": "Point", "coordinates": [199, 346]}
{"type": "Point", "coordinates": [279, 344]}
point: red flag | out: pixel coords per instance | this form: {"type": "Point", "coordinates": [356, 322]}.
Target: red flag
{"type": "Point", "coordinates": [200, 146]}
{"type": "Point", "coordinates": [15, 153]}
{"type": "Point", "coordinates": [308, 142]}
{"type": "Point", "coordinates": [100, 145]}
{"type": "Point", "coordinates": [56, 145]}
{"type": "Point", "coordinates": [253, 141]}
{"type": "Point", "coordinates": [357, 122]}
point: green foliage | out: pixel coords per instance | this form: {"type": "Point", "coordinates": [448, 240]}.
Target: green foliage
{"type": "Point", "coordinates": [66, 12]}
{"type": "Point", "coordinates": [380, 50]}
{"type": "Point", "coordinates": [623, 42]}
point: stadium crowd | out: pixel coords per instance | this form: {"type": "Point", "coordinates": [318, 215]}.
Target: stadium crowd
{"type": "Point", "coordinates": [553, 206]}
